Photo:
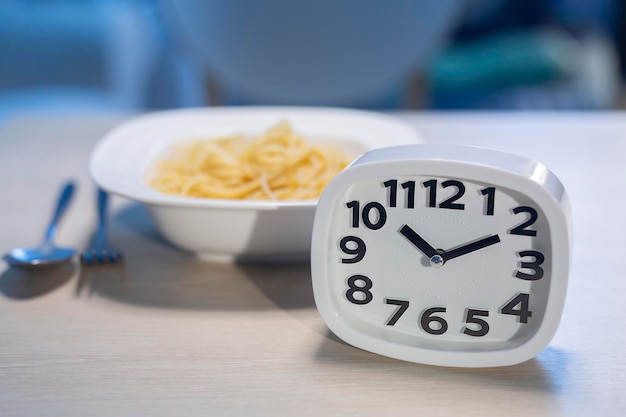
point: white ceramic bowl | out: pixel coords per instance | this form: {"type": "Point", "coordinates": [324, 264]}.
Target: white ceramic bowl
{"type": "Point", "coordinates": [218, 229]}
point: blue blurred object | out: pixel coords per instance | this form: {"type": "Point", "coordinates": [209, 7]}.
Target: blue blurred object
{"type": "Point", "coordinates": [120, 55]}
{"type": "Point", "coordinates": [537, 55]}
{"type": "Point", "coordinates": [504, 60]}
{"type": "Point", "coordinates": [63, 55]}
{"type": "Point", "coordinates": [359, 53]}
{"type": "Point", "coordinates": [85, 56]}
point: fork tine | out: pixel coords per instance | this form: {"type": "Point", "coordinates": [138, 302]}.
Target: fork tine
{"type": "Point", "coordinates": [101, 253]}
{"type": "Point", "coordinates": [115, 257]}
{"type": "Point", "coordinates": [110, 256]}
{"type": "Point", "coordinates": [87, 257]}
{"type": "Point", "coordinates": [101, 256]}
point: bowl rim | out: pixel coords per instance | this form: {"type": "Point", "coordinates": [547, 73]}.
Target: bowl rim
{"type": "Point", "coordinates": [153, 197]}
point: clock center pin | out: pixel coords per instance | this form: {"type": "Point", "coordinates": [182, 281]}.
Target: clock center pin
{"type": "Point", "coordinates": [436, 261]}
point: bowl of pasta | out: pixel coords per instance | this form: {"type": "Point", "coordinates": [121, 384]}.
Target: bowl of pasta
{"type": "Point", "coordinates": [238, 183]}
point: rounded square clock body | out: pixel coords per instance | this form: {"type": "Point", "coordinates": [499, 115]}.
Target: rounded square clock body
{"type": "Point", "coordinates": [443, 255]}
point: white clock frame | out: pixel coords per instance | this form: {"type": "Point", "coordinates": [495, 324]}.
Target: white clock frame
{"type": "Point", "coordinates": [476, 164]}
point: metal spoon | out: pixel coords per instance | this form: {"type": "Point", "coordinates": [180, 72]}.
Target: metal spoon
{"type": "Point", "coordinates": [47, 253]}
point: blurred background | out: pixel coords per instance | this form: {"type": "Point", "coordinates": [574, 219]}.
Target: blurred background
{"type": "Point", "coordinates": [95, 56]}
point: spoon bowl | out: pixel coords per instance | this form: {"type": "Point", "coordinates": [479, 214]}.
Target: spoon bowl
{"type": "Point", "coordinates": [38, 257]}
{"type": "Point", "coordinates": [46, 254]}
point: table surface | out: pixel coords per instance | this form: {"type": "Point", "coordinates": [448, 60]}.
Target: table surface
{"type": "Point", "coordinates": [167, 334]}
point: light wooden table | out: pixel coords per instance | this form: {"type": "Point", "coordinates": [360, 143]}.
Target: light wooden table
{"type": "Point", "coordinates": [168, 335]}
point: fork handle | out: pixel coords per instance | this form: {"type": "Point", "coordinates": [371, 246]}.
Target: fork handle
{"type": "Point", "coordinates": [102, 204]}
{"type": "Point", "coordinates": [103, 197]}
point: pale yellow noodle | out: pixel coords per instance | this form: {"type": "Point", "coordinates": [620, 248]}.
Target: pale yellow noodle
{"type": "Point", "coordinates": [278, 165]}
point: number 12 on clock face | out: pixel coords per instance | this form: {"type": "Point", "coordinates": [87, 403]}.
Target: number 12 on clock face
{"type": "Point", "coordinates": [442, 255]}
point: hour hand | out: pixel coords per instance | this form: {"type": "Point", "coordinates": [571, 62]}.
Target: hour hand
{"type": "Point", "coordinates": [418, 241]}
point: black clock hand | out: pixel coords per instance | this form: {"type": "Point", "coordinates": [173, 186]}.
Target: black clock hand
{"type": "Point", "coordinates": [418, 241]}
{"type": "Point", "coordinates": [470, 247]}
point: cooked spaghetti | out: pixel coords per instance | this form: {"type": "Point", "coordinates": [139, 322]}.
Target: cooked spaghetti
{"type": "Point", "coordinates": [278, 165]}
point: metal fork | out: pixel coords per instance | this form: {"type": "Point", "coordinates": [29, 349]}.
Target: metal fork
{"type": "Point", "coordinates": [100, 251]}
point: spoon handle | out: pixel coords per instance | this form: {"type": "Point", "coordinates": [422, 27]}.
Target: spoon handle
{"type": "Point", "coordinates": [64, 200]}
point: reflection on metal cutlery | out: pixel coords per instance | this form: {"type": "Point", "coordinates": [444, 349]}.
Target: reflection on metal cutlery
{"type": "Point", "coordinates": [47, 253]}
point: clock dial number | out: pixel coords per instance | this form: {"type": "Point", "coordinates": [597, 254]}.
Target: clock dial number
{"type": "Point", "coordinates": [522, 312]}
{"type": "Point", "coordinates": [490, 197]}
{"type": "Point", "coordinates": [472, 318]}
{"type": "Point", "coordinates": [359, 292]}
{"type": "Point", "coordinates": [449, 203]}
{"type": "Point", "coordinates": [352, 245]}
{"type": "Point", "coordinates": [523, 228]}
{"type": "Point", "coordinates": [534, 265]}
{"type": "Point", "coordinates": [432, 186]}
{"type": "Point", "coordinates": [408, 186]}
{"type": "Point", "coordinates": [359, 287]}
{"type": "Point", "coordinates": [370, 210]}
{"type": "Point", "coordinates": [403, 305]}
{"type": "Point", "coordinates": [433, 324]}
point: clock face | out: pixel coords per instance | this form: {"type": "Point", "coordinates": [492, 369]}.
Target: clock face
{"type": "Point", "coordinates": [433, 268]}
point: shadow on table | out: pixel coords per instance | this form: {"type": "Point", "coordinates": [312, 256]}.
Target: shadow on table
{"type": "Point", "coordinates": [27, 283]}
{"type": "Point", "coordinates": [158, 275]}
{"type": "Point", "coordinates": [547, 372]}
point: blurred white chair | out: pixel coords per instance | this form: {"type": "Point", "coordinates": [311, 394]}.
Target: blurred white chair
{"type": "Point", "coordinates": [359, 53]}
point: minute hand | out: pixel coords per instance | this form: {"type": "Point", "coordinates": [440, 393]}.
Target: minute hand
{"type": "Point", "coordinates": [470, 247]}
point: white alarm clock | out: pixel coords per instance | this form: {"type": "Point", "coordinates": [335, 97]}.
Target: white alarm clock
{"type": "Point", "coordinates": [443, 255]}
